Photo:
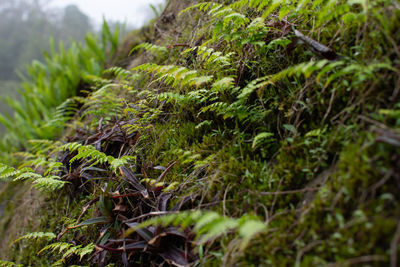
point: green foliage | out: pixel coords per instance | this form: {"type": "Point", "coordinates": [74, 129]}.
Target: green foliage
{"type": "Point", "coordinates": [210, 225]}
{"type": "Point", "coordinates": [262, 137]}
{"type": "Point", "coordinates": [175, 75]}
{"type": "Point", "coordinates": [155, 49]}
{"type": "Point", "coordinates": [294, 153]}
{"type": "Point", "coordinates": [48, 87]}
{"type": "Point", "coordinates": [94, 157]}
{"type": "Point", "coordinates": [49, 181]}
{"type": "Point", "coordinates": [68, 250]}
{"type": "Point", "coordinates": [7, 171]}
{"type": "Point", "coordinates": [104, 103]}
{"type": "Point", "coordinates": [9, 264]}
{"type": "Point", "coordinates": [36, 236]}
{"type": "Point", "coordinates": [25, 28]}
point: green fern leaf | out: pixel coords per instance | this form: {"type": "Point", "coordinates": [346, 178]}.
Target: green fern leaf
{"type": "Point", "coordinates": [36, 236]}
{"type": "Point", "coordinates": [262, 137]}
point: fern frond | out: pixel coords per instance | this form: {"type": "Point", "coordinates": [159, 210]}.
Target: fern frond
{"type": "Point", "coordinates": [209, 225]}
{"type": "Point", "coordinates": [9, 264]}
{"type": "Point", "coordinates": [49, 184]}
{"type": "Point", "coordinates": [82, 252]}
{"type": "Point", "coordinates": [68, 249]}
{"type": "Point", "coordinates": [104, 103]}
{"type": "Point", "coordinates": [223, 83]}
{"type": "Point", "coordinates": [155, 49]}
{"type": "Point", "coordinates": [65, 112]}
{"type": "Point", "coordinates": [91, 153]}
{"type": "Point", "coordinates": [115, 163]}
{"type": "Point", "coordinates": [36, 236]}
{"type": "Point", "coordinates": [262, 137]}
{"type": "Point", "coordinates": [201, 6]}
{"type": "Point", "coordinates": [119, 72]}
{"type": "Point", "coordinates": [93, 156]}
{"type": "Point", "coordinates": [59, 246]}
{"type": "Point", "coordinates": [183, 100]}
{"type": "Point", "coordinates": [175, 75]}
{"type": "Point", "coordinates": [27, 175]}
{"type": "Point", "coordinates": [71, 147]}
{"type": "Point", "coordinates": [7, 172]}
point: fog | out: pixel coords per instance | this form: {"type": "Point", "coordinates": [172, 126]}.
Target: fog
{"type": "Point", "coordinates": [27, 25]}
{"type": "Point", "coordinates": [135, 12]}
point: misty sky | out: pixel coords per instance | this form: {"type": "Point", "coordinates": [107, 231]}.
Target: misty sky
{"type": "Point", "coordinates": [135, 12]}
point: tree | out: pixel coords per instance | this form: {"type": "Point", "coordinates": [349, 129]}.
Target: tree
{"type": "Point", "coordinates": [75, 24]}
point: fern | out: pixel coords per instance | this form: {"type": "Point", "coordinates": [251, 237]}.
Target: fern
{"type": "Point", "coordinates": [36, 236]}
{"type": "Point", "coordinates": [9, 264]}
{"type": "Point", "coordinates": [27, 175]}
{"type": "Point", "coordinates": [175, 75]}
{"type": "Point", "coordinates": [71, 147]}
{"type": "Point", "coordinates": [119, 72]}
{"type": "Point", "coordinates": [49, 183]}
{"type": "Point", "coordinates": [333, 71]}
{"type": "Point", "coordinates": [210, 225]}
{"type": "Point", "coordinates": [7, 172]}
{"type": "Point", "coordinates": [65, 112]}
{"type": "Point", "coordinates": [68, 250]}
{"type": "Point", "coordinates": [214, 60]}
{"type": "Point", "coordinates": [42, 109]}
{"type": "Point", "coordinates": [91, 153]}
{"type": "Point", "coordinates": [94, 157]}
{"type": "Point", "coordinates": [104, 103]}
{"type": "Point", "coordinates": [201, 6]}
{"type": "Point", "coordinates": [223, 84]}
{"type": "Point", "coordinates": [262, 137]}
{"type": "Point", "coordinates": [155, 49]}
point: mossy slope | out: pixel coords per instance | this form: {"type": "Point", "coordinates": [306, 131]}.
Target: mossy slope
{"type": "Point", "coordinates": [242, 109]}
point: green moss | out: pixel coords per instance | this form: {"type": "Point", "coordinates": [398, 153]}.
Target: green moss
{"type": "Point", "coordinates": [325, 177]}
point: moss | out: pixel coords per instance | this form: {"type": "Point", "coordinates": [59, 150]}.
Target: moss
{"type": "Point", "coordinates": [326, 182]}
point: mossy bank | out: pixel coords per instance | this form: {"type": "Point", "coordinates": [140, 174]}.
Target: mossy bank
{"type": "Point", "coordinates": [226, 133]}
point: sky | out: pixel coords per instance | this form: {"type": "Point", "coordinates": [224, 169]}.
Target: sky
{"type": "Point", "coordinates": [134, 12]}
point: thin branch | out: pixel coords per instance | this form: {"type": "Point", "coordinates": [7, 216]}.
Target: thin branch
{"type": "Point", "coordinates": [288, 192]}
{"type": "Point", "coordinates": [317, 47]}
{"type": "Point", "coordinates": [394, 246]}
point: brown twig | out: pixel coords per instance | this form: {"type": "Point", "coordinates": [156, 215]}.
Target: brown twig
{"type": "Point", "coordinates": [178, 45]}
{"type": "Point", "coordinates": [317, 47]}
{"type": "Point", "coordinates": [362, 259]}
{"type": "Point", "coordinates": [329, 107]}
{"type": "Point", "coordinates": [288, 192]}
{"type": "Point", "coordinates": [162, 176]}
{"type": "Point", "coordinates": [393, 246]}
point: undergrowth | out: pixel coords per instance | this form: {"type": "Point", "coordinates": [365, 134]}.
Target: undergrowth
{"type": "Point", "coordinates": [244, 133]}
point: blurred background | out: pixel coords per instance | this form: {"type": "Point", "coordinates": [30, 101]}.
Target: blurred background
{"type": "Point", "coordinates": [26, 27]}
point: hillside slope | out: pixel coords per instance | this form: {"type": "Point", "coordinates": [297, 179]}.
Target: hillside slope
{"type": "Point", "coordinates": [239, 133]}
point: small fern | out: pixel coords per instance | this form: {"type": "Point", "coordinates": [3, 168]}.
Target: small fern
{"type": "Point", "coordinates": [7, 172]}
{"type": "Point", "coordinates": [9, 264]}
{"type": "Point", "coordinates": [210, 225]}
{"type": "Point", "coordinates": [104, 103]}
{"type": "Point", "coordinates": [175, 75]}
{"type": "Point", "coordinates": [120, 73]}
{"type": "Point", "coordinates": [93, 156]}
{"type": "Point", "coordinates": [261, 138]}
{"type": "Point", "coordinates": [37, 236]}
{"type": "Point", "coordinates": [65, 112]}
{"type": "Point", "coordinates": [68, 250]}
{"type": "Point", "coordinates": [155, 49]}
{"type": "Point", "coordinates": [49, 183]}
